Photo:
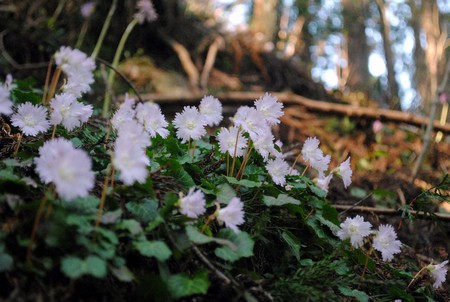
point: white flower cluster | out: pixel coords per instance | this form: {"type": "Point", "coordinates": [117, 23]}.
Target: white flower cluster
{"type": "Point", "coordinates": [320, 162]}
{"type": "Point", "coordinates": [193, 205]}
{"type": "Point", "coordinates": [134, 129]}
{"type": "Point", "coordinates": [78, 68]}
{"type": "Point", "coordinates": [69, 169]}
{"type": "Point", "coordinates": [191, 122]}
{"type": "Point", "coordinates": [384, 240]}
{"type": "Point", "coordinates": [146, 11]}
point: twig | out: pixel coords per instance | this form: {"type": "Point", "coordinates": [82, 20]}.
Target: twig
{"type": "Point", "coordinates": [355, 205]}
{"type": "Point", "coordinates": [390, 212]}
{"type": "Point", "coordinates": [13, 62]}
{"type": "Point", "coordinates": [311, 105]}
{"type": "Point", "coordinates": [209, 62]}
{"type": "Point", "coordinates": [218, 273]}
{"type": "Point", "coordinates": [122, 76]}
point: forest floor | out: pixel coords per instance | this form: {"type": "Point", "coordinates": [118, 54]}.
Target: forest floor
{"type": "Point", "coordinates": [382, 168]}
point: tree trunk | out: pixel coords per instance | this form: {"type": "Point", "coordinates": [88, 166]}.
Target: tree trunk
{"type": "Point", "coordinates": [393, 97]}
{"type": "Point", "coordinates": [265, 18]}
{"type": "Point", "coordinates": [357, 48]}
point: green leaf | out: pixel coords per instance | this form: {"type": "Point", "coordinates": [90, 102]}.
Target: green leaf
{"type": "Point", "coordinates": [73, 267]}
{"type": "Point", "coordinates": [176, 170]}
{"type": "Point", "coordinates": [180, 285]}
{"type": "Point", "coordinates": [157, 249]}
{"type": "Point", "coordinates": [293, 242]}
{"type": "Point", "coordinates": [282, 199]}
{"type": "Point", "coordinates": [96, 266]}
{"type": "Point", "coordinates": [122, 273]}
{"type": "Point", "coordinates": [131, 226]}
{"type": "Point", "coordinates": [83, 205]}
{"type": "Point", "coordinates": [225, 193]}
{"type": "Point", "coordinates": [6, 262]}
{"type": "Point", "coordinates": [195, 236]}
{"type": "Point", "coordinates": [243, 242]}
{"type": "Point", "coordinates": [145, 211]}
{"type": "Point", "coordinates": [243, 182]}
{"type": "Point", "coordinates": [359, 295]}
{"type": "Point", "coordinates": [20, 96]}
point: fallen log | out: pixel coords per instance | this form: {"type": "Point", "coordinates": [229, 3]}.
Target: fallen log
{"type": "Point", "coordinates": [289, 99]}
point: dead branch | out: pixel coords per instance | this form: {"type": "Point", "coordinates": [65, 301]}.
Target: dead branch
{"type": "Point", "coordinates": [389, 212]}
{"type": "Point", "coordinates": [309, 104]}
{"type": "Point", "coordinates": [210, 59]}
{"type": "Point", "coordinates": [185, 59]}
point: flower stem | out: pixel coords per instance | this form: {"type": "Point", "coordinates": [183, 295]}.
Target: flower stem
{"type": "Point", "coordinates": [235, 150]}
{"type": "Point", "coordinates": [47, 80]}
{"type": "Point", "coordinates": [52, 89]}
{"type": "Point", "coordinates": [416, 276]}
{"type": "Point", "coordinates": [366, 263]}
{"type": "Point", "coordinates": [37, 219]}
{"type": "Point", "coordinates": [103, 197]}
{"type": "Point", "coordinates": [19, 141]}
{"type": "Point", "coordinates": [295, 162]}
{"type": "Point", "coordinates": [117, 55]}
{"type": "Point", "coordinates": [82, 34]}
{"type": "Point", "coordinates": [99, 43]}
{"type": "Point", "coordinates": [208, 221]}
{"type": "Point", "coordinates": [240, 172]}
{"type": "Point", "coordinates": [54, 132]}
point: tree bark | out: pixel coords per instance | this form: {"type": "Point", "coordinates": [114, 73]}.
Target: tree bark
{"type": "Point", "coordinates": [385, 31]}
{"type": "Point", "coordinates": [357, 48]}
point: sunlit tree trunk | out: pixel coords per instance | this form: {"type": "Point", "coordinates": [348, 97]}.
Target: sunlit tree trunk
{"type": "Point", "coordinates": [265, 18]}
{"type": "Point", "coordinates": [394, 100]}
{"type": "Point", "coordinates": [354, 12]}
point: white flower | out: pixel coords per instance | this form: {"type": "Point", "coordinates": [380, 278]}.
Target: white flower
{"type": "Point", "coordinates": [131, 161]}
{"type": "Point", "coordinates": [385, 241]}
{"type": "Point", "coordinates": [251, 121]}
{"type": "Point", "coordinates": [264, 145]}
{"type": "Point", "coordinates": [438, 272]}
{"type": "Point", "coordinates": [134, 133]}
{"type": "Point", "coordinates": [324, 181]}
{"type": "Point", "coordinates": [124, 114]}
{"type": "Point", "coordinates": [78, 67]}
{"type": "Point", "coordinates": [310, 151]}
{"type": "Point", "coordinates": [321, 165]}
{"type": "Point", "coordinates": [5, 97]}
{"type": "Point", "coordinates": [146, 11]}
{"type": "Point", "coordinates": [345, 172]}
{"type": "Point", "coordinates": [270, 108]}
{"type": "Point", "coordinates": [87, 9]}
{"type": "Point", "coordinates": [149, 114]}
{"type": "Point", "coordinates": [68, 111]}
{"type": "Point", "coordinates": [211, 108]}
{"type": "Point", "coordinates": [355, 229]}
{"type": "Point", "coordinates": [227, 141]}
{"type": "Point", "coordinates": [278, 169]}
{"type": "Point", "coordinates": [31, 119]}
{"type": "Point", "coordinates": [232, 214]}
{"type": "Point", "coordinates": [68, 168]}
{"type": "Point", "coordinates": [190, 124]}
{"type": "Point", "coordinates": [193, 204]}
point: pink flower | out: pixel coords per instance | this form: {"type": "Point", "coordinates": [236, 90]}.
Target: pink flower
{"type": "Point", "coordinates": [146, 11]}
